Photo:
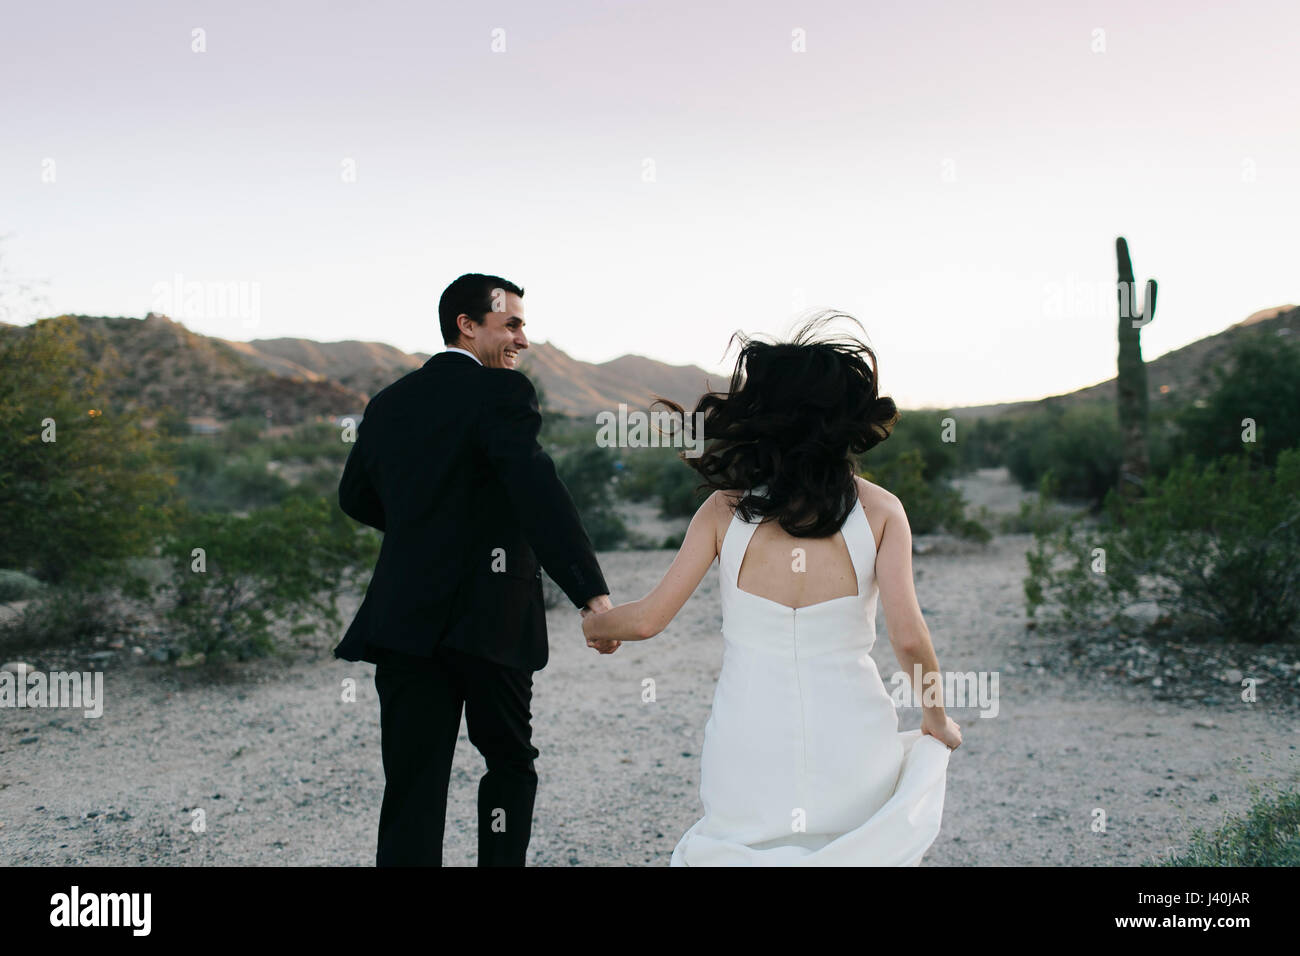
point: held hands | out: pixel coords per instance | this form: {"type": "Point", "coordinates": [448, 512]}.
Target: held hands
{"type": "Point", "coordinates": [599, 605]}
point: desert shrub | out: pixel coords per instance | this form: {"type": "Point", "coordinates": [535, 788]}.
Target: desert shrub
{"type": "Point", "coordinates": [1268, 834]}
{"type": "Point", "coordinates": [1034, 517]}
{"type": "Point", "coordinates": [284, 564]}
{"type": "Point", "coordinates": [1261, 381]}
{"type": "Point", "coordinates": [241, 434]}
{"type": "Point", "coordinates": [75, 506]}
{"type": "Point", "coordinates": [931, 504]}
{"type": "Point", "coordinates": [1216, 546]}
{"type": "Point", "coordinates": [1080, 446]}
{"type": "Point", "coordinates": [16, 586]}
{"type": "Point", "coordinates": [659, 475]}
{"type": "Point", "coordinates": [310, 442]}
{"type": "Point", "coordinates": [983, 443]}
{"type": "Point", "coordinates": [588, 472]}
{"type": "Point", "coordinates": [68, 613]}
{"type": "Point", "coordinates": [322, 481]}
{"type": "Point", "coordinates": [921, 434]}
{"type": "Point", "coordinates": [172, 423]}
{"type": "Point", "coordinates": [676, 489]}
{"type": "Point", "coordinates": [638, 469]}
{"type": "Point", "coordinates": [209, 479]}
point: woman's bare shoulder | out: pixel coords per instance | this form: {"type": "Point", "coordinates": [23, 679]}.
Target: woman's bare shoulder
{"type": "Point", "coordinates": [879, 504]}
{"type": "Point", "coordinates": [721, 506]}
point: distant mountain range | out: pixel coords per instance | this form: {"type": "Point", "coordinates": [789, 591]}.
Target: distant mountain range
{"type": "Point", "coordinates": [162, 364]}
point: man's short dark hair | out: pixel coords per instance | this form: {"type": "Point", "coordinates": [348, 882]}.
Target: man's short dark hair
{"type": "Point", "coordinates": [470, 295]}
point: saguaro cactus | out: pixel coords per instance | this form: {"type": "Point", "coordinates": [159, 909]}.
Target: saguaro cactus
{"type": "Point", "coordinates": [1132, 375]}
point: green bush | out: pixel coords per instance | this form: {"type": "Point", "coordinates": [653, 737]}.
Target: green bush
{"type": "Point", "coordinates": [1267, 835]}
{"type": "Point", "coordinates": [16, 586]}
{"type": "Point", "coordinates": [311, 442]}
{"type": "Point", "coordinates": [1080, 446]}
{"type": "Point", "coordinates": [931, 505]}
{"type": "Point", "coordinates": [588, 472]}
{"type": "Point", "coordinates": [1261, 381]}
{"type": "Point", "coordinates": [983, 443]}
{"type": "Point", "coordinates": [70, 613]}
{"type": "Point", "coordinates": [75, 506]}
{"type": "Point", "coordinates": [920, 434]}
{"type": "Point", "coordinates": [659, 475]}
{"type": "Point", "coordinates": [284, 564]}
{"type": "Point", "coordinates": [211, 479]}
{"type": "Point", "coordinates": [1216, 546]}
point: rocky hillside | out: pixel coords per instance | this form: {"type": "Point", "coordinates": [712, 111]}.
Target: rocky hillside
{"type": "Point", "coordinates": [361, 367]}
{"type": "Point", "coordinates": [570, 386]}
{"type": "Point", "coordinates": [158, 363]}
{"type": "Point", "coordinates": [1173, 376]}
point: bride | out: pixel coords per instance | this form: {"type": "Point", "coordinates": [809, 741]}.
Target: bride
{"type": "Point", "coordinates": [802, 762]}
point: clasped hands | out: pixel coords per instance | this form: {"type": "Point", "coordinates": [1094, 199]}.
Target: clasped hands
{"type": "Point", "coordinates": [599, 605]}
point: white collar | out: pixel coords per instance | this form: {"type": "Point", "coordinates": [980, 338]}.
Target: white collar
{"type": "Point", "coordinates": [463, 352]}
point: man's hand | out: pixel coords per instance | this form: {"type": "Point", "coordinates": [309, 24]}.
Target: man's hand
{"type": "Point", "coordinates": [599, 605]}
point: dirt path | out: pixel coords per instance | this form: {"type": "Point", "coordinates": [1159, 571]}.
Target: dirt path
{"type": "Point", "coordinates": [286, 772]}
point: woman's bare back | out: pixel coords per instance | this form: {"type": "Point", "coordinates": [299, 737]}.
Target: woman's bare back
{"type": "Point", "coordinates": [798, 572]}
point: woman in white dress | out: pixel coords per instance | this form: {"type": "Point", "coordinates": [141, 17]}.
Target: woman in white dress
{"type": "Point", "coordinates": [802, 761]}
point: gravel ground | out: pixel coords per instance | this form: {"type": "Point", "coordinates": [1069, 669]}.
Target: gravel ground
{"type": "Point", "coordinates": [285, 771]}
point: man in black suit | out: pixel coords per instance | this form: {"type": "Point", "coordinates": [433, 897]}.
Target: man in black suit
{"type": "Point", "coordinates": [447, 464]}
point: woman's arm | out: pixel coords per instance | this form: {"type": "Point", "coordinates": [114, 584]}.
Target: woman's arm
{"type": "Point", "coordinates": [643, 619]}
{"type": "Point", "coordinates": [908, 633]}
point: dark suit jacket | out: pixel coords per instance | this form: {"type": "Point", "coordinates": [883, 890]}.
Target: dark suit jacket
{"type": "Point", "coordinates": [447, 464]}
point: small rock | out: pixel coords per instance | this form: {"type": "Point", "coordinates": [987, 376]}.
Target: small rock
{"type": "Point", "coordinates": [15, 667]}
{"type": "Point", "coordinates": [1233, 676]}
{"type": "Point", "coordinates": [29, 740]}
{"type": "Point", "coordinates": [1207, 724]}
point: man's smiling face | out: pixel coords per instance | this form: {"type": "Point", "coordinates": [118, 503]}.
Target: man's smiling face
{"type": "Point", "coordinates": [500, 339]}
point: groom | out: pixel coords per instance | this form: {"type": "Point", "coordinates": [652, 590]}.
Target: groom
{"type": "Point", "coordinates": [447, 465]}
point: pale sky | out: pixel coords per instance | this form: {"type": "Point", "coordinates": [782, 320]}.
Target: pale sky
{"type": "Point", "coordinates": [658, 175]}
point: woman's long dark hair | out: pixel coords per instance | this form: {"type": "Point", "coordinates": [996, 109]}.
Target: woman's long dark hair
{"type": "Point", "coordinates": [793, 419]}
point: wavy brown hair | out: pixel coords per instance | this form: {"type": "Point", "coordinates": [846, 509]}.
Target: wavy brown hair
{"type": "Point", "coordinates": [794, 418]}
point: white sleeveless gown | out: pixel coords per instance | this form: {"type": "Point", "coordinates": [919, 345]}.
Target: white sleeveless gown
{"type": "Point", "coordinates": [802, 762]}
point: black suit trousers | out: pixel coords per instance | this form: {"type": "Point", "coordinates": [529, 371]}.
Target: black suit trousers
{"type": "Point", "coordinates": [420, 704]}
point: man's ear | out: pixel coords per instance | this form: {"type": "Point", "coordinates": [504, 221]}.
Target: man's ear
{"type": "Point", "coordinates": [469, 324]}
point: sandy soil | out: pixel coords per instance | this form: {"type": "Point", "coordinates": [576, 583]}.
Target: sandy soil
{"type": "Point", "coordinates": [286, 772]}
